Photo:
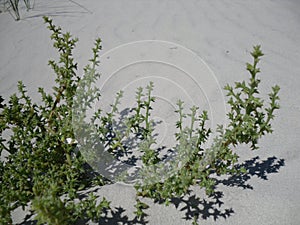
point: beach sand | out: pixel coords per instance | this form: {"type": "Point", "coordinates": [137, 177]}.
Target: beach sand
{"type": "Point", "coordinates": [190, 50]}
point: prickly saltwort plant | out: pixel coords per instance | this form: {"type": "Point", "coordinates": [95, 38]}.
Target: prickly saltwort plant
{"type": "Point", "coordinates": [135, 121]}
{"type": "Point", "coordinates": [249, 119]}
{"type": "Point", "coordinates": [42, 165]}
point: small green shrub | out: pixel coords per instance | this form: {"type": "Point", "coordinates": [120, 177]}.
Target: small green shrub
{"type": "Point", "coordinates": [42, 165]}
{"type": "Point", "coordinates": [45, 169]}
{"type": "Point", "coordinates": [249, 119]}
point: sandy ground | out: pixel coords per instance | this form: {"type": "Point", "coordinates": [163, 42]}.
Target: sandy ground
{"type": "Point", "coordinates": [189, 49]}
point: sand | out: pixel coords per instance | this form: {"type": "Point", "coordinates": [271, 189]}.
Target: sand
{"type": "Point", "coordinates": [190, 49]}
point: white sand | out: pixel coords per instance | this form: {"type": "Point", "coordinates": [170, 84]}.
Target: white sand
{"type": "Point", "coordinates": [222, 33]}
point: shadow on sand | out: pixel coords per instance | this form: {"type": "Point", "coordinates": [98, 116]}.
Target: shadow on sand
{"type": "Point", "coordinates": [193, 206]}
{"type": "Point", "coordinates": [210, 207]}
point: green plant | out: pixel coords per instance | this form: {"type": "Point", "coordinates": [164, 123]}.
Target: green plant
{"type": "Point", "coordinates": [140, 206]}
{"type": "Point", "coordinates": [249, 119]}
{"type": "Point", "coordinates": [44, 167]}
{"type": "Point", "coordinates": [52, 209]}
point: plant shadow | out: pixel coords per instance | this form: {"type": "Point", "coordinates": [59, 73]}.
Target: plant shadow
{"type": "Point", "coordinates": [69, 8]}
{"type": "Point", "coordinates": [210, 207]}
{"type": "Point", "coordinates": [28, 220]}
{"type": "Point", "coordinates": [254, 167]}
{"type": "Point", "coordinates": [193, 206]}
{"type": "Point", "coordinates": [117, 218]}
